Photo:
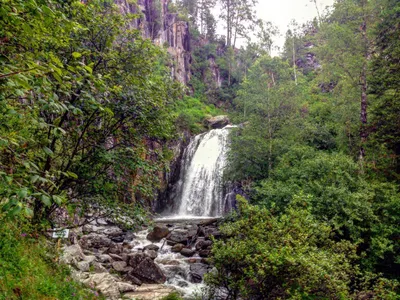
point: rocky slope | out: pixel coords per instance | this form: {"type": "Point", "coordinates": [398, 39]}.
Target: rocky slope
{"type": "Point", "coordinates": [149, 264]}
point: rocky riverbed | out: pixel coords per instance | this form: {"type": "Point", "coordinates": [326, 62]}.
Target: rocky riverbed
{"type": "Point", "coordinates": [149, 264]}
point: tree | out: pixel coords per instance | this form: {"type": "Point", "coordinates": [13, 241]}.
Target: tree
{"type": "Point", "coordinates": [385, 87]}
{"type": "Point", "coordinates": [82, 96]}
{"type": "Point", "coordinates": [288, 257]}
{"type": "Point", "coordinates": [346, 53]}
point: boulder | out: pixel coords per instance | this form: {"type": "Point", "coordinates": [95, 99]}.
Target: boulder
{"type": "Point", "coordinates": [131, 278]}
{"type": "Point", "coordinates": [113, 231]}
{"type": "Point", "coordinates": [105, 283]}
{"type": "Point", "coordinates": [151, 253]}
{"type": "Point", "coordinates": [145, 269]}
{"type": "Point", "coordinates": [104, 258]}
{"type": "Point", "coordinates": [187, 252]}
{"type": "Point", "coordinates": [178, 236]}
{"type": "Point", "coordinates": [158, 233]}
{"type": "Point", "coordinates": [177, 247]}
{"type": "Point", "coordinates": [94, 240]}
{"type": "Point", "coordinates": [151, 247]}
{"type": "Point", "coordinates": [217, 122]}
{"type": "Point", "coordinates": [204, 253]}
{"type": "Point", "coordinates": [98, 267]}
{"type": "Point", "coordinates": [126, 287]}
{"type": "Point", "coordinates": [197, 272]}
{"type": "Point", "coordinates": [203, 244]}
{"type": "Point", "coordinates": [90, 258]}
{"type": "Point", "coordinates": [115, 256]}
{"type": "Point", "coordinates": [150, 292]}
{"type": "Point", "coordinates": [72, 254]}
{"type": "Point", "coordinates": [83, 266]}
{"type": "Point", "coordinates": [119, 266]}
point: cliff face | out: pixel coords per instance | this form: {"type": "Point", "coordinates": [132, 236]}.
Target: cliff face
{"type": "Point", "coordinates": [164, 28]}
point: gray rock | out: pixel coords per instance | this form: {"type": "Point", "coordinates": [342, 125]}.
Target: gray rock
{"type": "Point", "coordinates": [106, 283]}
{"type": "Point", "coordinates": [151, 253]}
{"type": "Point", "coordinates": [204, 253]}
{"type": "Point", "coordinates": [94, 240]}
{"type": "Point", "coordinates": [89, 258]}
{"type": "Point", "coordinates": [83, 266]}
{"type": "Point", "coordinates": [145, 269]}
{"type": "Point", "coordinates": [158, 233]}
{"type": "Point", "coordinates": [126, 287]}
{"type": "Point", "coordinates": [113, 231]}
{"type": "Point", "coordinates": [179, 236]}
{"type": "Point", "coordinates": [104, 258]}
{"type": "Point", "coordinates": [217, 122]}
{"type": "Point", "coordinates": [203, 244]}
{"type": "Point", "coordinates": [151, 247]}
{"type": "Point", "coordinates": [187, 252]}
{"type": "Point", "coordinates": [115, 256]}
{"type": "Point", "coordinates": [72, 254]}
{"type": "Point", "coordinates": [197, 272]}
{"type": "Point", "coordinates": [119, 266]}
{"type": "Point", "coordinates": [97, 267]}
{"type": "Point", "coordinates": [177, 247]}
{"type": "Point", "coordinates": [132, 278]}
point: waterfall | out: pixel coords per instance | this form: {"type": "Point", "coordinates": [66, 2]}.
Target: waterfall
{"type": "Point", "coordinates": [200, 191]}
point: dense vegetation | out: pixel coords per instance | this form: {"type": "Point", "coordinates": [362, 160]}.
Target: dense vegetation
{"type": "Point", "coordinates": [318, 158]}
{"type": "Point", "coordinates": [88, 109]}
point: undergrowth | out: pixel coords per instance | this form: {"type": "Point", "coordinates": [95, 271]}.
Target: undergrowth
{"type": "Point", "coordinates": [29, 268]}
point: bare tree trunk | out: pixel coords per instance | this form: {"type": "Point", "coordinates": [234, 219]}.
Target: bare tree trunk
{"type": "Point", "coordinates": [294, 62]}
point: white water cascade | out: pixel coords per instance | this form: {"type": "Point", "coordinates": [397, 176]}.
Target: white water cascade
{"type": "Point", "coordinates": [200, 191]}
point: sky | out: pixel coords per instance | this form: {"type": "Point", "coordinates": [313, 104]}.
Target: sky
{"type": "Point", "coordinates": [281, 12]}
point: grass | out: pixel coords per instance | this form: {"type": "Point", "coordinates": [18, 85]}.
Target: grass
{"type": "Point", "coordinates": [29, 268]}
{"type": "Point", "coordinates": [191, 113]}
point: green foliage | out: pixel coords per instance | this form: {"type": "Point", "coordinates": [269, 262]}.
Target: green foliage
{"type": "Point", "coordinates": [191, 113]}
{"type": "Point", "coordinates": [28, 268]}
{"type": "Point", "coordinates": [172, 296]}
{"type": "Point", "coordinates": [278, 257]}
{"type": "Point", "coordinates": [82, 98]}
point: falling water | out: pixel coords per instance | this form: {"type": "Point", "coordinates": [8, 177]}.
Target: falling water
{"type": "Point", "coordinates": [200, 191]}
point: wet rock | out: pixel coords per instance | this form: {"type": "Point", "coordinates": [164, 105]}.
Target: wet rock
{"type": "Point", "coordinates": [204, 253]}
{"type": "Point", "coordinates": [118, 239]}
{"type": "Point", "coordinates": [187, 252]}
{"type": "Point", "coordinates": [177, 247]}
{"type": "Point", "coordinates": [151, 247]}
{"type": "Point", "coordinates": [179, 236]}
{"type": "Point", "coordinates": [203, 244]}
{"type": "Point", "coordinates": [129, 237]}
{"type": "Point", "coordinates": [119, 266]}
{"type": "Point", "coordinates": [158, 233]}
{"type": "Point", "coordinates": [197, 272]}
{"type": "Point", "coordinates": [145, 269]}
{"type": "Point", "coordinates": [94, 240]}
{"type": "Point", "coordinates": [151, 253]}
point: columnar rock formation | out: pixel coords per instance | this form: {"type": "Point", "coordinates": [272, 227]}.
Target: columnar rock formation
{"type": "Point", "coordinates": [165, 29]}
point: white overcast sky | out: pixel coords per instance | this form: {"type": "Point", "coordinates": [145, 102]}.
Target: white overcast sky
{"type": "Point", "coordinates": [281, 12]}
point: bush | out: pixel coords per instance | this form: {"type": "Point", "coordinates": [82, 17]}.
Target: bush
{"type": "Point", "coordinates": [277, 257]}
